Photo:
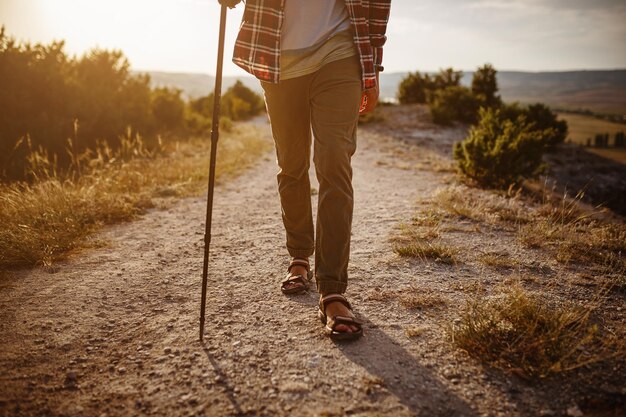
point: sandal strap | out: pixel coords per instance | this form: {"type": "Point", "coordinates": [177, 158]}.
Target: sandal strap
{"type": "Point", "coordinates": [324, 301]}
{"type": "Point", "coordinates": [298, 262]}
{"type": "Point", "coordinates": [294, 278]}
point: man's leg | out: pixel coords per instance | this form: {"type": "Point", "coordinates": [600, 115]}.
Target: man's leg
{"type": "Point", "coordinates": [335, 101]}
{"type": "Point", "coordinates": [289, 112]}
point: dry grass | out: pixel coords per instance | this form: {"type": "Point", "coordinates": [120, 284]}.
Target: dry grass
{"type": "Point", "coordinates": [527, 334]}
{"type": "Point", "coordinates": [498, 260]}
{"type": "Point", "coordinates": [573, 234]}
{"type": "Point", "coordinates": [414, 240]}
{"type": "Point", "coordinates": [415, 298]}
{"type": "Point", "coordinates": [465, 202]}
{"type": "Point", "coordinates": [43, 221]}
{"type": "Point", "coordinates": [426, 250]}
{"type": "Point", "coordinates": [469, 287]}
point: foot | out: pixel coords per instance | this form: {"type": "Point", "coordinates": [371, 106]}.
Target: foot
{"type": "Point", "coordinates": [336, 308]}
{"type": "Point", "coordinates": [296, 270]}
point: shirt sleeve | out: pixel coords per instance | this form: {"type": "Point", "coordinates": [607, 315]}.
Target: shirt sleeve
{"type": "Point", "coordinates": [378, 18]}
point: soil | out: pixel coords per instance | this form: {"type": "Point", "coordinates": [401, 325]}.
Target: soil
{"type": "Point", "coordinates": [114, 331]}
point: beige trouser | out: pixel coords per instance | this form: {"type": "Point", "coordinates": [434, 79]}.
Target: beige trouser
{"type": "Point", "coordinates": [327, 101]}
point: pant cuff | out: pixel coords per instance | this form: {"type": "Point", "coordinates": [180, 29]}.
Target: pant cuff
{"type": "Point", "coordinates": [331, 286]}
{"type": "Point", "coordinates": [300, 253]}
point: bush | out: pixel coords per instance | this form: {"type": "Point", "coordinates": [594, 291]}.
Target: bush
{"type": "Point", "coordinates": [168, 108]}
{"type": "Point", "coordinates": [541, 119]}
{"type": "Point", "coordinates": [447, 78]}
{"type": "Point", "coordinates": [499, 151]}
{"type": "Point", "coordinates": [49, 97]}
{"type": "Point", "coordinates": [254, 101]}
{"type": "Point", "coordinates": [414, 88]}
{"type": "Point", "coordinates": [485, 86]}
{"type": "Point", "coordinates": [237, 103]}
{"type": "Point", "coordinates": [452, 104]}
{"type": "Point", "coordinates": [418, 88]}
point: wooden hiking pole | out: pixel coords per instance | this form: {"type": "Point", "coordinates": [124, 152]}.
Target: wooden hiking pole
{"type": "Point", "coordinates": [214, 137]}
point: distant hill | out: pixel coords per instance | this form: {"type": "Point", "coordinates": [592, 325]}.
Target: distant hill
{"type": "Point", "coordinates": [598, 91]}
{"type": "Point", "coordinates": [602, 91]}
{"type": "Point", "coordinates": [197, 85]}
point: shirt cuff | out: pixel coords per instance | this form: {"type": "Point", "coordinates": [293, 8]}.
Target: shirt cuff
{"type": "Point", "coordinates": [378, 58]}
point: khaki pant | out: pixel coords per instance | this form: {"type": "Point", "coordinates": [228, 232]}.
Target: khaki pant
{"type": "Point", "coordinates": [328, 102]}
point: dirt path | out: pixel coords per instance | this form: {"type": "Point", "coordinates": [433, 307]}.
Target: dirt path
{"type": "Point", "coordinates": [114, 332]}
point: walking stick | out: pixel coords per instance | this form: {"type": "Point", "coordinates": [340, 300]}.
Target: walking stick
{"type": "Point", "coordinates": [214, 137]}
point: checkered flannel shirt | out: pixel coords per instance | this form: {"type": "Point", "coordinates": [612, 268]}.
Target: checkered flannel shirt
{"type": "Point", "coordinates": [257, 48]}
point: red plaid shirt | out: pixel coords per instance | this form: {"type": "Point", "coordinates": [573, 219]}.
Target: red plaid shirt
{"type": "Point", "coordinates": [257, 48]}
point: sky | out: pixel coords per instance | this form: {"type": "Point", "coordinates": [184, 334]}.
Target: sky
{"type": "Point", "coordinates": [181, 35]}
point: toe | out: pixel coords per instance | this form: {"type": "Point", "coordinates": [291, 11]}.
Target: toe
{"type": "Point", "coordinates": [343, 328]}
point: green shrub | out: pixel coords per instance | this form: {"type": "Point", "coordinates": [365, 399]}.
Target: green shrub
{"type": "Point", "coordinates": [418, 88]}
{"type": "Point", "coordinates": [238, 103]}
{"type": "Point", "coordinates": [541, 119]}
{"type": "Point", "coordinates": [48, 97]}
{"type": "Point", "coordinates": [485, 86]}
{"type": "Point", "coordinates": [447, 78]}
{"type": "Point", "coordinates": [168, 108]}
{"type": "Point", "coordinates": [255, 102]}
{"type": "Point", "coordinates": [452, 104]}
{"type": "Point", "coordinates": [499, 151]}
{"type": "Point", "coordinates": [414, 88]}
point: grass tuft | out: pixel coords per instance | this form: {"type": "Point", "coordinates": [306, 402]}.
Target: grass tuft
{"type": "Point", "coordinates": [575, 235]}
{"type": "Point", "coordinates": [468, 203]}
{"type": "Point", "coordinates": [498, 260]}
{"type": "Point", "coordinates": [427, 250]}
{"type": "Point", "coordinates": [521, 332]}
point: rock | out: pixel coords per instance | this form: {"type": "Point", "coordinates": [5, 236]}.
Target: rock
{"type": "Point", "coordinates": [71, 378]}
{"type": "Point", "coordinates": [574, 411]}
{"type": "Point", "coordinates": [546, 412]}
{"type": "Point", "coordinates": [167, 350]}
{"type": "Point", "coordinates": [121, 370]}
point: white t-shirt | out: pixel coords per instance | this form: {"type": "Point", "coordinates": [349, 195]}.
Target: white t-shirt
{"type": "Point", "coordinates": [308, 23]}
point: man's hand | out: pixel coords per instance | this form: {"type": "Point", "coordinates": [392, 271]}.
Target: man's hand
{"type": "Point", "coordinates": [369, 98]}
{"type": "Point", "coordinates": [229, 3]}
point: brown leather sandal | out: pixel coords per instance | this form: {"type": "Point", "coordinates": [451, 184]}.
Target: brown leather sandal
{"type": "Point", "coordinates": [332, 322]}
{"type": "Point", "coordinates": [296, 279]}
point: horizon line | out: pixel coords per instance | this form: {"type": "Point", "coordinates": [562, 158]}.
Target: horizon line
{"type": "Point", "coordinates": [397, 72]}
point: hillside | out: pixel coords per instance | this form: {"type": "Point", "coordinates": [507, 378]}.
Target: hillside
{"type": "Point", "coordinates": [600, 91]}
